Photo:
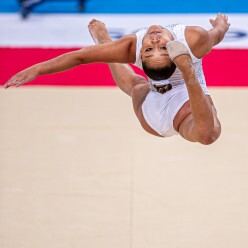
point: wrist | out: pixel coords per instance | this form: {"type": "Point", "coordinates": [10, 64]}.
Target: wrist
{"type": "Point", "coordinates": [222, 27]}
{"type": "Point", "coordinates": [37, 69]}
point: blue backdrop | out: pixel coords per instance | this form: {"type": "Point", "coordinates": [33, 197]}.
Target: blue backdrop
{"type": "Point", "coordinates": [134, 6]}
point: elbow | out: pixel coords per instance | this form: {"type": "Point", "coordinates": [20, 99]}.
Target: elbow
{"type": "Point", "coordinates": [78, 57]}
{"type": "Point", "coordinates": [79, 60]}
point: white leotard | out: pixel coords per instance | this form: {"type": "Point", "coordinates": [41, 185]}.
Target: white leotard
{"type": "Point", "coordinates": [178, 33]}
{"type": "Point", "coordinates": [159, 110]}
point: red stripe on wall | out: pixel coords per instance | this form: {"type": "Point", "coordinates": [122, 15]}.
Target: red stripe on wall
{"type": "Point", "coordinates": [225, 67]}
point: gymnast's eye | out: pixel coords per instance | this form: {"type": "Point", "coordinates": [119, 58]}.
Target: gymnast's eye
{"type": "Point", "coordinates": [148, 49]}
{"type": "Point", "coordinates": [163, 48]}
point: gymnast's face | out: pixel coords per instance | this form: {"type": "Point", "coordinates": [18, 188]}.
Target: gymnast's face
{"type": "Point", "coordinates": [154, 52]}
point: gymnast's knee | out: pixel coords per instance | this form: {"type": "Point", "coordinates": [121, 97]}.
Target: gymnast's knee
{"type": "Point", "coordinates": [208, 136]}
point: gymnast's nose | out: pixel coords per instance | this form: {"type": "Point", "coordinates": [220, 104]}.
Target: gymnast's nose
{"type": "Point", "coordinates": [155, 40]}
{"type": "Point", "coordinates": [155, 37]}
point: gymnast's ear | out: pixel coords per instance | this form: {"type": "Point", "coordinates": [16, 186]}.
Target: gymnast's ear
{"type": "Point", "coordinates": [141, 54]}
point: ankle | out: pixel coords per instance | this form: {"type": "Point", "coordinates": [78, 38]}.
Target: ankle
{"type": "Point", "coordinates": [102, 41]}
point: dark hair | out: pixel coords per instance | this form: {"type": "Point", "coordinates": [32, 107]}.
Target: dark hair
{"type": "Point", "coordinates": [159, 73]}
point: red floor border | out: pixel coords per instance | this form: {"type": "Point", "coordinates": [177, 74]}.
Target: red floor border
{"type": "Point", "coordinates": [222, 67]}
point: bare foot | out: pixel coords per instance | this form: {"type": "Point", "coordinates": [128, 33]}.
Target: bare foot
{"type": "Point", "coordinates": [99, 32]}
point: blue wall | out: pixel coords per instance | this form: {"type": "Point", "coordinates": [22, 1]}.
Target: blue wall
{"type": "Point", "coordinates": [135, 6]}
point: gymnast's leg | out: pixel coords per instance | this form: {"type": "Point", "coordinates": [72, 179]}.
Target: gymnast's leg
{"type": "Point", "coordinates": [136, 86]}
{"type": "Point", "coordinates": [202, 124]}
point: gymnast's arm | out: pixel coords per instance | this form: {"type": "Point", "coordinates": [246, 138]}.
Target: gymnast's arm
{"type": "Point", "coordinates": [202, 41]}
{"type": "Point", "coordinates": [119, 51]}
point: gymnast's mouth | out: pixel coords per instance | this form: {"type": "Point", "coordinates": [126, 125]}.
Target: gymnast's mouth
{"type": "Point", "coordinates": [155, 32]}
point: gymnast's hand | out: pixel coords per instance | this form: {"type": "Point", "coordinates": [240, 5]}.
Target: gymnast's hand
{"type": "Point", "coordinates": [22, 77]}
{"type": "Point", "coordinates": [221, 21]}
